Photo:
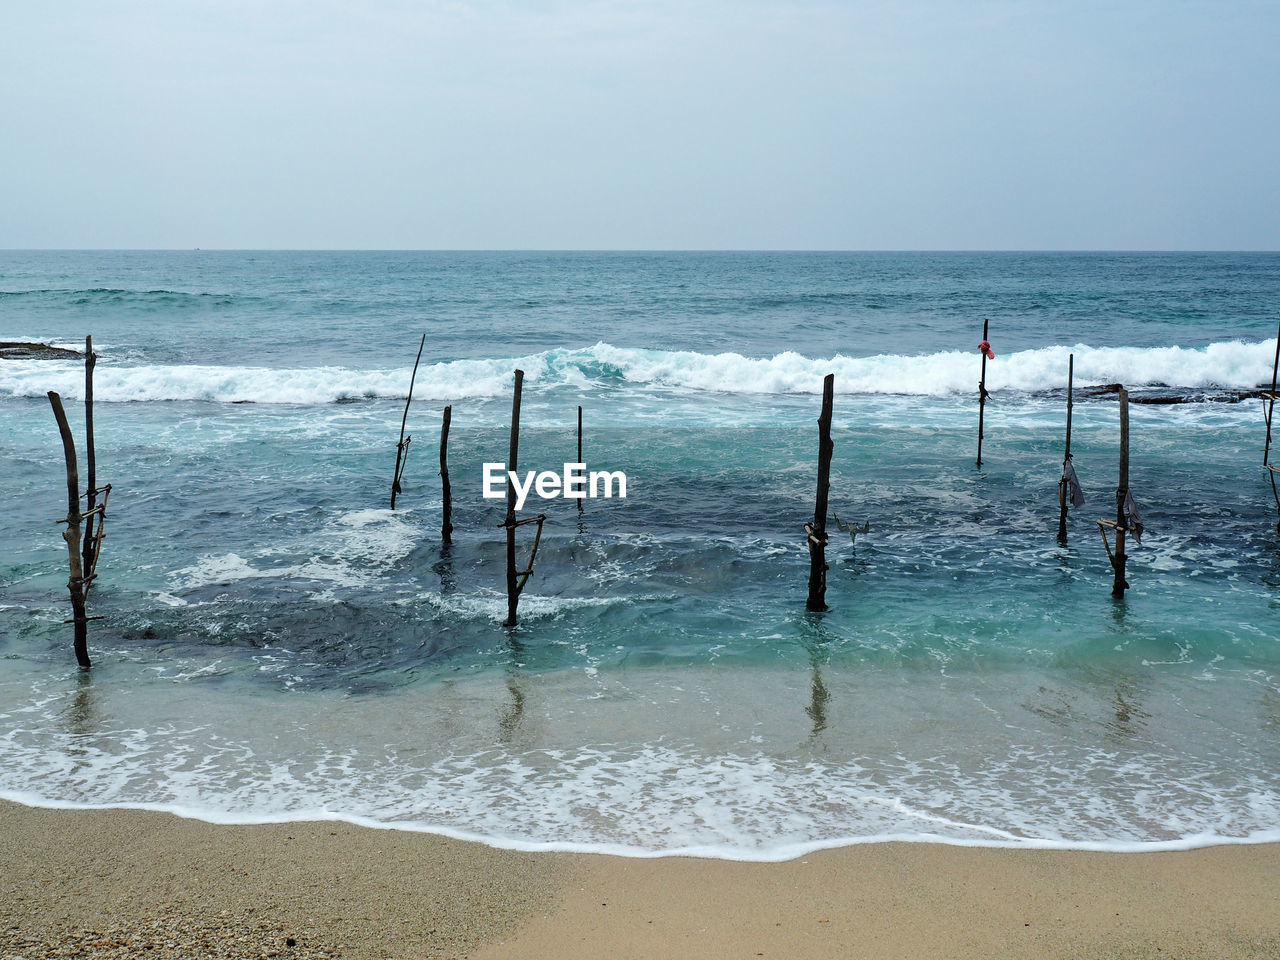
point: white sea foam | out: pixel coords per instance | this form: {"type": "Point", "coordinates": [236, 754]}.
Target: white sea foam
{"type": "Point", "coordinates": [492, 605]}
{"type": "Point", "coordinates": [1228, 365]}
{"type": "Point", "coordinates": [352, 550]}
{"type": "Point", "coordinates": [553, 777]}
{"type": "Point", "coordinates": [655, 803]}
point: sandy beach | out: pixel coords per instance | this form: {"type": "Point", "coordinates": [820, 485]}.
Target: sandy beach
{"type": "Point", "coordinates": [124, 883]}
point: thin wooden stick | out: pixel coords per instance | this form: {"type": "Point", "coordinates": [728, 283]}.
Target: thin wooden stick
{"type": "Point", "coordinates": [579, 460]}
{"type": "Point", "coordinates": [527, 572]}
{"type": "Point", "coordinates": [91, 571]}
{"type": "Point", "coordinates": [513, 590]}
{"type": "Point", "coordinates": [1271, 472]}
{"type": "Point", "coordinates": [1120, 584]}
{"type": "Point", "coordinates": [816, 532]}
{"type": "Point", "coordinates": [75, 584]}
{"type": "Point", "coordinates": [1063, 492]}
{"type": "Point", "coordinates": [1102, 529]}
{"type": "Point", "coordinates": [1266, 449]}
{"type": "Point", "coordinates": [446, 493]}
{"type": "Point", "coordinates": [88, 560]}
{"type": "Point", "coordinates": [404, 442]}
{"type": "Point", "coordinates": [982, 391]}
{"type": "Point", "coordinates": [1271, 404]}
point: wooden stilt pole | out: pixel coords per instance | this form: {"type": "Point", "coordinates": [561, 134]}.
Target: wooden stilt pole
{"type": "Point", "coordinates": [513, 591]}
{"type": "Point", "coordinates": [75, 584]}
{"type": "Point", "coordinates": [1063, 492]}
{"type": "Point", "coordinates": [403, 446]}
{"type": "Point", "coordinates": [816, 532]}
{"type": "Point", "coordinates": [1271, 399]}
{"type": "Point", "coordinates": [87, 562]}
{"type": "Point", "coordinates": [579, 460]}
{"type": "Point", "coordinates": [1272, 469]}
{"type": "Point", "coordinates": [1118, 561]}
{"type": "Point", "coordinates": [446, 494]}
{"type": "Point", "coordinates": [982, 391]}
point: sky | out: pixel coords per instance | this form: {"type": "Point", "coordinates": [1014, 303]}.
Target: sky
{"type": "Point", "coordinates": [667, 124]}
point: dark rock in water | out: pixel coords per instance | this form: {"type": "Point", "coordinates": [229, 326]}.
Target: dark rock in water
{"type": "Point", "coordinates": [36, 351]}
{"type": "Point", "coordinates": [1203, 396]}
{"type": "Point", "coordinates": [1166, 396]}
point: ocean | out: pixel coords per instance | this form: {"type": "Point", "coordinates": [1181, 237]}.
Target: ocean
{"type": "Point", "coordinates": [277, 644]}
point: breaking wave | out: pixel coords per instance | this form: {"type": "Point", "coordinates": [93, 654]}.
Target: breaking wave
{"type": "Point", "coordinates": [1230, 365]}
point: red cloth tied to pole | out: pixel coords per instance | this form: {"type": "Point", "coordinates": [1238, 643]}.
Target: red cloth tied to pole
{"type": "Point", "coordinates": [985, 347]}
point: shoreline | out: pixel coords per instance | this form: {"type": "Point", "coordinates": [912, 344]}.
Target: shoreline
{"type": "Point", "coordinates": [795, 851]}
{"type": "Point", "coordinates": [116, 882]}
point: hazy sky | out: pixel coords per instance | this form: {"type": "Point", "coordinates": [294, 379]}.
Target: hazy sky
{"type": "Point", "coordinates": [722, 124]}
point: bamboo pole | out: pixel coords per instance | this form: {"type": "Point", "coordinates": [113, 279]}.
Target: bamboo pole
{"type": "Point", "coordinates": [90, 551]}
{"type": "Point", "coordinates": [75, 584]}
{"type": "Point", "coordinates": [446, 493]}
{"type": "Point", "coordinates": [1120, 584]}
{"type": "Point", "coordinates": [982, 391]}
{"type": "Point", "coordinates": [513, 591]}
{"type": "Point", "coordinates": [816, 532]}
{"type": "Point", "coordinates": [402, 446]}
{"type": "Point", "coordinates": [1063, 492]}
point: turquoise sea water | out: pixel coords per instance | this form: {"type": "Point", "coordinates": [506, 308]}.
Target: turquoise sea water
{"type": "Point", "coordinates": [278, 644]}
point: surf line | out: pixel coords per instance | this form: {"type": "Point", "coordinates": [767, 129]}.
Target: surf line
{"type": "Point", "coordinates": [574, 483]}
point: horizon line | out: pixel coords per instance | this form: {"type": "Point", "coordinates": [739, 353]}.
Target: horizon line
{"type": "Point", "coordinates": [648, 250]}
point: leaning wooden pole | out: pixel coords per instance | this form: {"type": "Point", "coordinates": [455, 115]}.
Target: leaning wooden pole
{"type": "Point", "coordinates": [402, 446]}
{"type": "Point", "coordinates": [1271, 399]}
{"type": "Point", "coordinates": [1120, 584]}
{"type": "Point", "coordinates": [982, 389]}
{"type": "Point", "coordinates": [75, 584]}
{"type": "Point", "coordinates": [816, 532]}
{"type": "Point", "coordinates": [446, 493]}
{"type": "Point", "coordinates": [91, 466]}
{"type": "Point", "coordinates": [1272, 469]}
{"type": "Point", "coordinates": [513, 588]}
{"type": "Point", "coordinates": [1063, 493]}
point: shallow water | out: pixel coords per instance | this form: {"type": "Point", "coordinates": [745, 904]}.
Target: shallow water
{"type": "Point", "coordinates": [277, 643]}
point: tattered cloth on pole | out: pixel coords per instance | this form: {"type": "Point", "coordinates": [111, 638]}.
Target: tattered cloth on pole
{"type": "Point", "coordinates": [1132, 521]}
{"type": "Point", "coordinates": [1076, 495]}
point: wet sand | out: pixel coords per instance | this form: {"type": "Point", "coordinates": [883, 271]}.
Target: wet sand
{"type": "Point", "coordinates": [127, 883]}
